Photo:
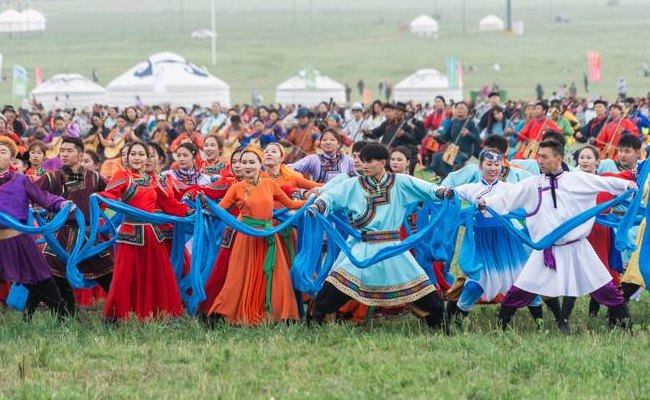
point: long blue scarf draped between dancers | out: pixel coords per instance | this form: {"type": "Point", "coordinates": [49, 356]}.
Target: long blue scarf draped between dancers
{"type": "Point", "coordinates": [310, 266]}
{"type": "Point", "coordinates": [18, 294]}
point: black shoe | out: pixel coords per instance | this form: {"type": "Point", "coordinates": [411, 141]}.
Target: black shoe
{"type": "Point", "coordinates": [564, 327]}
{"type": "Point", "coordinates": [505, 315]}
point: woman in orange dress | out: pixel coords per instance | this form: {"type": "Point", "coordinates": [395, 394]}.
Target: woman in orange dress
{"type": "Point", "coordinates": [143, 279]}
{"type": "Point", "coordinates": [258, 287]}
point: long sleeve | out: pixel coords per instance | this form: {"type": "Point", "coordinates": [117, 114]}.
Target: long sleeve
{"type": "Point", "coordinates": [230, 198]}
{"type": "Point", "coordinates": [377, 132]}
{"type": "Point", "coordinates": [44, 183]}
{"type": "Point", "coordinates": [303, 183]}
{"type": "Point", "coordinates": [415, 189]}
{"type": "Point", "coordinates": [468, 174]}
{"type": "Point", "coordinates": [42, 198]}
{"type": "Point", "coordinates": [116, 186]}
{"type": "Point", "coordinates": [281, 196]}
{"type": "Point", "coordinates": [169, 205]}
{"type": "Point", "coordinates": [521, 195]}
{"type": "Point", "coordinates": [469, 192]}
{"type": "Point", "coordinates": [594, 184]}
{"type": "Point", "coordinates": [306, 165]}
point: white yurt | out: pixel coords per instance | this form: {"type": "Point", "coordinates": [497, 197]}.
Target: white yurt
{"type": "Point", "coordinates": [308, 88]}
{"type": "Point", "coordinates": [424, 26]}
{"type": "Point", "coordinates": [12, 21]}
{"type": "Point", "coordinates": [34, 20]}
{"type": "Point", "coordinates": [491, 23]}
{"type": "Point", "coordinates": [167, 78]}
{"type": "Point", "coordinates": [69, 91]}
{"type": "Point", "coordinates": [425, 84]}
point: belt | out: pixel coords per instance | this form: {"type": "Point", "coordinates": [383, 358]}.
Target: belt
{"type": "Point", "coordinates": [8, 233]}
{"type": "Point", "coordinates": [379, 236]}
{"type": "Point", "coordinates": [549, 258]}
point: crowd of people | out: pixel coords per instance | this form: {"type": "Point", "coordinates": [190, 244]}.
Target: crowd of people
{"type": "Point", "coordinates": [554, 160]}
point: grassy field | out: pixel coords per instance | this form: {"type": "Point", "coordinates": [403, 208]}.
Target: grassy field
{"type": "Point", "coordinates": [385, 359]}
{"type": "Point", "coordinates": [261, 43]}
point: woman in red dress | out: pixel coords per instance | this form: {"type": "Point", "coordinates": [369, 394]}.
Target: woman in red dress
{"type": "Point", "coordinates": [258, 287]}
{"type": "Point", "coordinates": [143, 280]}
{"type": "Point", "coordinates": [213, 164]}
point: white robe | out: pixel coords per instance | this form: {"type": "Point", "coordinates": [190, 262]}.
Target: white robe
{"type": "Point", "coordinates": [578, 271]}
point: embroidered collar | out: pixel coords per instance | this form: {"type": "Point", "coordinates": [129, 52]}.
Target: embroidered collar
{"type": "Point", "coordinates": [73, 176]}
{"type": "Point", "coordinates": [214, 168]}
{"type": "Point", "coordinates": [188, 177]}
{"type": "Point", "coordinates": [4, 176]}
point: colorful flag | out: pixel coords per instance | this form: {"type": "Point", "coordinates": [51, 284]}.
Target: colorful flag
{"type": "Point", "coordinates": [593, 58]}
{"type": "Point", "coordinates": [38, 72]}
{"type": "Point", "coordinates": [454, 72]}
{"type": "Point", "coordinates": [19, 81]}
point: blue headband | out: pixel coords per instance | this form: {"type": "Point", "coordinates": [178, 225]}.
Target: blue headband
{"type": "Point", "coordinates": [490, 155]}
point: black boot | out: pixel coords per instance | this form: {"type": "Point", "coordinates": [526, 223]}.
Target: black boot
{"type": "Point", "coordinates": [629, 289]}
{"type": "Point", "coordinates": [505, 315]}
{"type": "Point", "coordinates": [553, 304]}
{"type": "Point", "coordinates": [619, 317]}
{"type": "Point", "coordinates": [568, 303]}
{"type": "Point", "coordinates": [537, 312]}
{"type": "Point", "coordinates": [451, 310]}
{"type": "Point", "coordinates": [594, 307]}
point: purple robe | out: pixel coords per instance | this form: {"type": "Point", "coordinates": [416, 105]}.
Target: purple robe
{"type": "Point", "coordinates": [323, 168]}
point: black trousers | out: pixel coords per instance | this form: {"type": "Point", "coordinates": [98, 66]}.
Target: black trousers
{"type": "Point", "coordinates": [68, 293]}
{"type": "Point", "coordinates": [330, 299]}
{"type": "Point", "coordinates": [47, 292]}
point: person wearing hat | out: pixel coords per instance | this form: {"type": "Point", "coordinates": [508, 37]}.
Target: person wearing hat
{"type": "Point", "coordinates": [14, 123]}
{"type": "Point", "coordinates": [356, 126]}
{"type": "Point", "coordinates": [400, 129]}
{"type": "Point", "coordinates": [595, 125]}
{"type": "Point", "coordinates": [614, 129]}
{"type": "Point", "coordinates": [303, 137]}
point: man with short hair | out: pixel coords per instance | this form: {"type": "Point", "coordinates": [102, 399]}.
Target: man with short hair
{"type": "Point", "coordinates": [377, 203]}
{"type": "Point", "coordinates": [569, 267]}
{"type": "Point", "coordinates": [462, 132]}
{"type": "Point", "coordinates": [535, 128]}
{"type": "Point", "coordinates": [73, 182]}
{"type": "Point", "coordinates": [14, 122]}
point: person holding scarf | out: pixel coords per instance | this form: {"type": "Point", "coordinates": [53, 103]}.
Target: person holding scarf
{"type": "Point", "coordinates": [258, 286]}
{"type": "Point", "coordinates": [570, 266]}
{"type": "Point", "coordinates": [21, 260]}
{"type": "Point", "coordinates": [144, 282]}
{"type": "Point", "coordinates": [491, 257]}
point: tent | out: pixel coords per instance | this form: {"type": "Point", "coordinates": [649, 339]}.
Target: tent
{"type": "Point", "coordinates": [309, 87]}
{"type": "Point", "coordinates": [34, 20]}
{"type": "Point", "coordinates": [491, 23]}
{"type": "Point", "coordinates": [424, 26]}
{"type": "Point", "coordinates": [69, 91]}
{"type": "Point", "coordinates": [425, 84]}
{"type": "Point", "coordinates": [12, 21]}
{"type": "Point", "coordinates": [167, 78]}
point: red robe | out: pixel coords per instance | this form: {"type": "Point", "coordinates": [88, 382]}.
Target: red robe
{"type": "Point", "coordinates": [533, 131]}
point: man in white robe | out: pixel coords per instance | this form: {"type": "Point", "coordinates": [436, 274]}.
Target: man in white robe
{"type": "Point", "coordinates": [570, 267]}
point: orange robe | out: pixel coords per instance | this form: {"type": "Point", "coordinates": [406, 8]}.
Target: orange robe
{"type": "Point", "coordinates": [242, 299]}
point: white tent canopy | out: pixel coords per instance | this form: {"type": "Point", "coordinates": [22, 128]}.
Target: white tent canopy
{"type": "Point", "coordinates": [308, 88]}
{"type": "Point", "coordinates": [424, 26]}
{"type": "Point", "coordinates": [167, 78]}
{"type": "Point", "coordinates": [69, 91]}
{"type": "Point", "coordinates": [491, 23]}
{"type": "Point", "coordinates": [34, 20]}
{"type": "Point", "coordinates": [425, 84]}
{"type": "Point", "coordinates": [12, 21]}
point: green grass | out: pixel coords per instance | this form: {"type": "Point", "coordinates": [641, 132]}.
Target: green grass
{"type": "Point", "coordinates": [261, 43]}
{"type": "Point", "coordinates": [386, 359]}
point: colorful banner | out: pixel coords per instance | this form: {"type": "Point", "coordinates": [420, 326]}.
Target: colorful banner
{"type": "Point", "coordinates": [454, 72]}
{"type": "Point", "coordinates": [593, 58]}
{"type": "Point", "coordinates": [38, 72]}
{"type": "Point", "coordinates": [19, 81]}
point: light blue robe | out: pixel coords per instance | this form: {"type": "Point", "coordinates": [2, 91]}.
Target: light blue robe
{"type": "Point", "coordinates": [378, 207]}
